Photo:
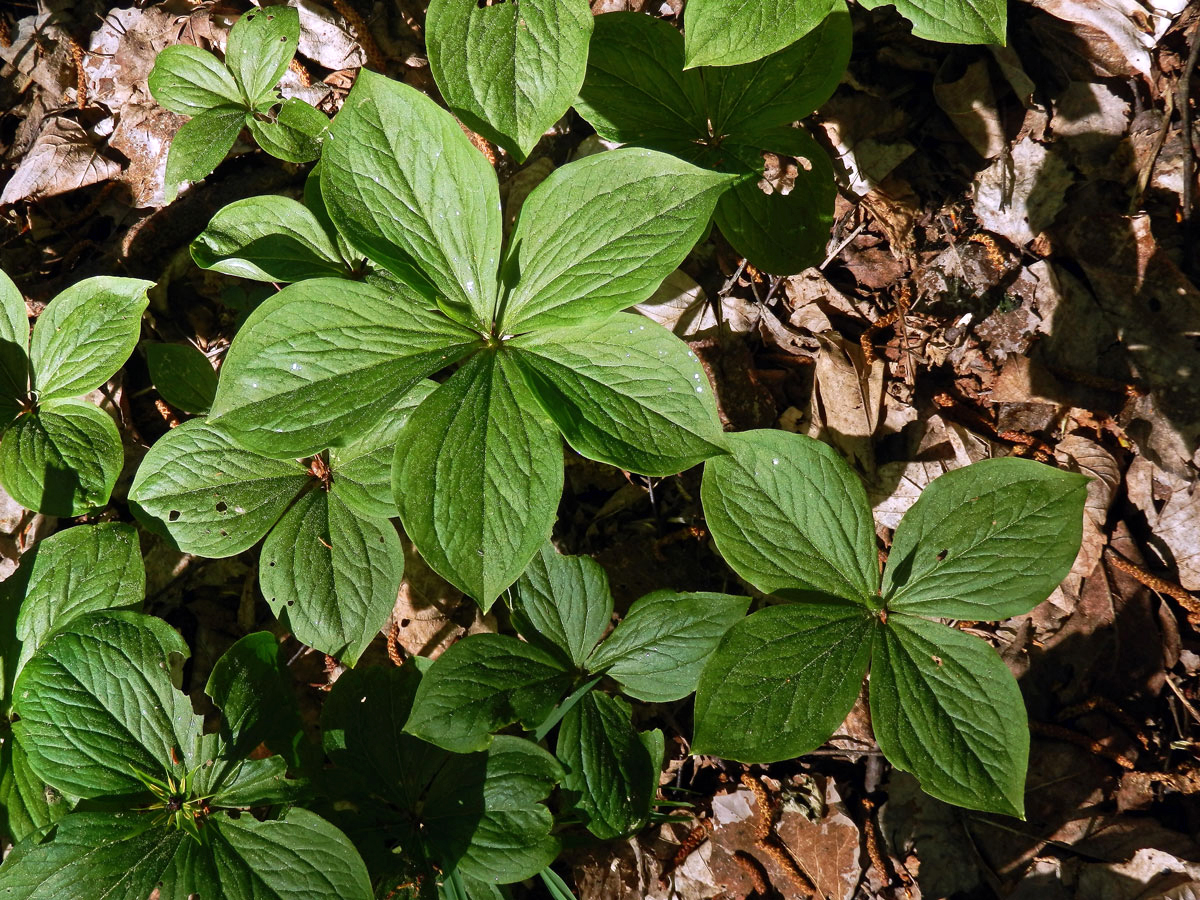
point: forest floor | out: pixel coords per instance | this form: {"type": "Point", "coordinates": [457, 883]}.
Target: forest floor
{"type": "Point", "coordinates": [1013, 270]}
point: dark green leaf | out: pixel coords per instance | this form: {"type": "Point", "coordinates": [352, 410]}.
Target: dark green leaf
{"type": "Point", "coordinates": [953, 21]}
{"type": "Point", "coordinates": [182, 375]}
{"type": "Point", "coordinates": [14, 340]}
{"type": "Point", "coordinates": [209, 496]}
{"type": "Point", "coordinates": [625, 391]}
{"type": "Point", "coordinates": [188, 80]}
{"type": "Point", "coordinates": [404, 183]}
{"type": "Point", "coordinates": [251, 686]}
{"type": "Point", "coordinates": [261, 44]}
{"type": "Point", "coordinates": [945, 708]}
{"type": "Point", "coordinates": [601, 233]}
{"type": "Point", "coordinates": [85, 335]}
{"type": "Point", "coordinates": [987, 541]}
{"type": "Point", "coordinates": [608, 767]}
{"type": "Point", "coordinates": [96, 701]}
{"type": "Point", "coordinates": [478, 476]}
{"type": "Point", "coordinates": [319, 363]}
{"type": "Point", "coordinates": [481, 684]}
{"type": "Point", "coordinates": [295, 133]}
{"type": "Point", "coordinates": [563, 602]}
{"type": "Point", "coordinates": [729, 32]}
{"type": "Point", "coordinates": [782, 680]}
{"type": "Point", "coordinates": [787, 512]}
{"type": "Point", "coordinates": [657, 652]}
{"type": "Point", "coordinates": [335, 574]}
{"type": "Point", "coordinates": [199, 146]}
{"type": "Point", "coordinates": [27, 804]}
{"type": "Point", "coordinates": [61, 460]}
{"type": "Point", "coordinates": [509, 71]}
{"type": "Point", "coordinates": [267, 238]}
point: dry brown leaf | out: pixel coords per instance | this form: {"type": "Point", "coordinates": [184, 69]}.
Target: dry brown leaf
{"type": "Point", "coordinates": [1089, 458]}
{"type": "Point", "coordinates": [63, 158]}
{"type": "Point", "coordinates": [1019, 195]}
{"type": "Point", "coordinates": [970, 102]}
{"type": "Point", "coordinates": [847, 399]}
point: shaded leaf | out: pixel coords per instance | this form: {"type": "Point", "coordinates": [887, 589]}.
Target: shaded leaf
{"type": "Point", "coordinates": [182, 375]}
{"type": "Point", "coordinates": [563, 602]}
{"type": "Point", "coordinates": [728, 32]}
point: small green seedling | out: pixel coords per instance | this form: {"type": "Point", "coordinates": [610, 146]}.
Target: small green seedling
{"type": "Point", "coordinates": [420, 814]}
{"type": "Point", "coordinates": [331, 562]}
{"type": "Point", "coordinates": [222, 98]}
{"type": "Point", "coordinates": [638, 92]}
{"type": "Point", "coordinates": [509, 70]}
{"type": "Point", "coordinates": [984, 542]}
{"type": "Point", "coordinates": [543, 345]}
{"type": "Point", "coordinates": [563, 606]}
{"type": "Point", "coordinates": [732, 32]}
{"type": "Point", "coordinates": [80, 570]}
{"type": "Point", "coordinates": [60, 455]}
{"type": "Point", "coordinates": [169, 807]}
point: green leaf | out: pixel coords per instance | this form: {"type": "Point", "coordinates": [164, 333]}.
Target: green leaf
{"type": "Point", "coordinates": [729, 32]}
{"type": "Point", "coordinates": [477, 477]}
{"type": "Point", "coordinates": [261, 44]}
{"type": "Point", "coordinates": [83, 569]}
{"type": "Point", "coordinates": [636, 91]}
{"type": "Point", "coordinates": [783, 233]}
{"type": "Point", "coordinates": [782, 680]}
{"type": "Point", "coordinates": [509, 71]}
{"type": "Point", "coordinates": [27, 804]}
{"type": "Point", "coordinates": [945, 708]}
{"type": "Point", "coordinates": [608, 766]}
{"type": "Point", "coordinates": [85, 335]}
{"type": "Point", "coordinates": [480, 812]}
{"type": "Point", "coordinates": [267, 238]}
{"type": "Point", "coordinates": [243, 783]}
{"type": "Point", "coordinates": [319, 363]}
{"type": "Point", "coordinates": [200, 145]}
{"type": "Point", "coordinates": [625, 391]}
{"type": "Point", "coordinates": [188, 80]}
{"type": "Point", "coordinates": [563, 602]}
{"type": "Point", "coordinates": [363, 470]}
{"type": "Point", "coordinates": [600, 234]}
{"type": "Point", "coordinates": [251, 686]}
{"type": "Point", "coordinates": [294, 134]}
{"type": "Point", "coordinates": [14, 339]}
{"type": "Point", "coordinates": [987, 541]}
{"type": "Point", "coordinates": [209, 496]}
{"type": "Point", "coordinates": [96, 701]}
{"type": "Point", "coordinates": [746, 102]}
{"type": "Point", "coordinates": [61, 460]}
{"type": "Point", "coordinates": [480, 685]}
{"type": "Point", "coordinates": [182, 375]}
{"type": "Point", "coordinates": [334, 573]}
{"type": "Point", "coordinates": [953, 21]}
{"type": "Point", "coordinates": [786, 512]}
{"type": "Point", "coordinates": [657, 652]}
{"type": "Point", "coordinates": [405, 184]}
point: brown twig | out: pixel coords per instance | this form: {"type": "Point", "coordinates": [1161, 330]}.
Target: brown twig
{"type": "Point", "coordinates": [1112, 710]}
{"type": "Point", "coordinates": [754, 869]}
{"type": "Point", "coordinates": [1170, 588]}
{"type": "Point", "coordinates": [768, 842]}
{"type": "Point", "coordinates": [1058, 733]}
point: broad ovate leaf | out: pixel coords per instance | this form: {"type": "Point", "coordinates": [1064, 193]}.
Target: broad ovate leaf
{"type": "Point", "coordinates": [953, 21]}
{"type": "Point", "coordinates": [402, 182]}
{"type": "Point", "coordinates": [608, 767]}
{"type": "Point", "coordinates": [563, 602]}
{"type": "Point", "coordinates": [945, 708]}
{"type": "Point", "coordinates": [987, 541]}
{"type": "Point", "coordinates": [182, 375]}
{"type": "Point", "coordinates": [83, 569]}
{"type": "Point", "coordinates": [729, 32]}
{"type": "Point", "coordinates": [261, 45]}
{"type": "Point", "coordinates": [657, 652]}
{"type": "Point", "coordinates": [208, 495]}
{"type": "Point", "coordinates": [509, 70]}
{"type": "Point", "coordinates": [334, 573]}
{"type": "Point", "coordinates": [786, 512]}
{"type": "Point", "coordinates": [481, 684]}
{"type": "Point", "coordinates": [477, 477]}
{"type": "Point", "coordinates": [782, 680]}
{"type": "Point", "coordinates": [293, 133]}
{"type": "Point", "coordinates": [14, 341]}
{"type": "Point", "coordinates": [85, 335]}
{"type": "Point", "coordinates": [199, 146]}
{"type": "Point", "coordinates": [251, 686]}
{"type": "Point", "coordinates": [27, 803]}
{"type": "Point", "coordinates": [62, 459]}
{"type": "Point", "coordinates": [625, 392]}
{"type": "Point", "coordinates": [188, 80]}
{"type": "Point", "coordinates": [268, 238]}
{"type": "Point", "coordinates": [96, 702]}
{"type": "Point", "coordinates": [319, 363]}
{"type": "Point", "coordinates": [601, 233]}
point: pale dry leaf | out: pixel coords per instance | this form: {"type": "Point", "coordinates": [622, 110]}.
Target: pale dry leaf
{"type": "Point", "coordinates": [847, 399]}
{"type": "Point", "coordinates": [1133, 28]}
{"type": "Point", "coordinates": [970, 102]}
{"type": "Point", "coordinates": [62, 159]}
{"type": "Point", "coordinates": [1085, 456]}
{"type": "Point", "coordinates": [326, 40]}
{"type": "Point", "coordinates": [1019, 195]}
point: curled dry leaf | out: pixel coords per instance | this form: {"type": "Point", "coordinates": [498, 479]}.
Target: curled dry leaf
{"type": "Point", "coordinates": [63, 158]}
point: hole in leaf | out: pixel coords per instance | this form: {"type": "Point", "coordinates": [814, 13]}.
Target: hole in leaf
{"type": "Point", "coordinates": [404, 623]}
{"type": "Point", "coordinates": [291, 603]}
{"type": "Point", "coordinates": [224, 533]}
{"type": "Point", "coordinates": [272, 564]}
{"type": "Point", "coordinates": [221, 506]}
{"type": "Point", "coordinates": [173, 516]}
{"type": "Point", "coordinates": [942, 556]}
